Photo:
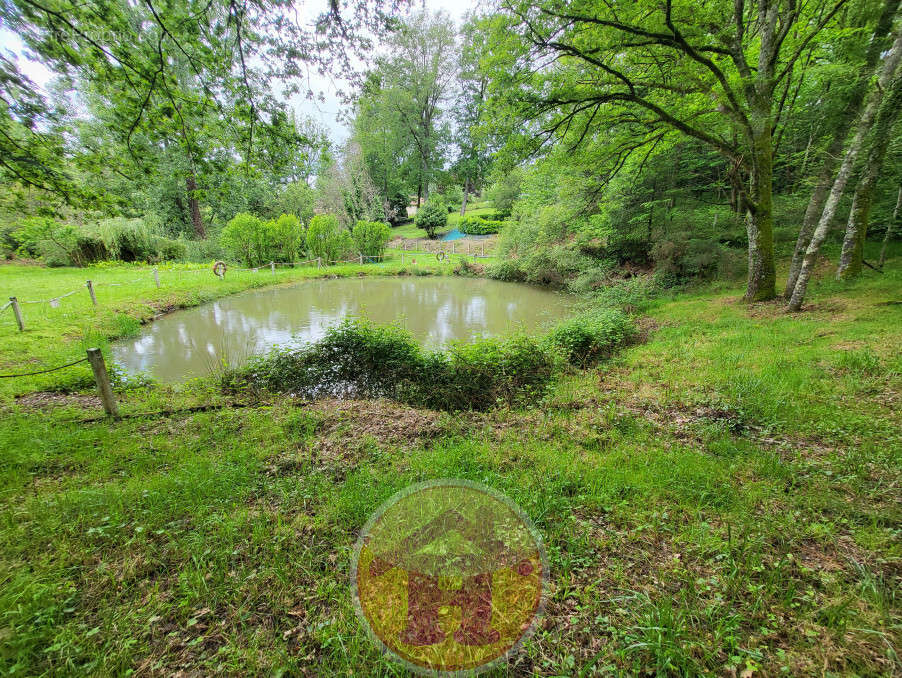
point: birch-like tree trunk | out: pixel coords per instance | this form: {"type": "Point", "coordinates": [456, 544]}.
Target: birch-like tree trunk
{"type": "Point", "coordinates": [850, 260]}
{"type": "Point", "coordinates": [854, 101]}
{"type": "Point", "coordinates": [865, 122]}
{"type": "Point", "coordinates": [463, 204]}
{"type": "Point", "coordinates": [889, 229]}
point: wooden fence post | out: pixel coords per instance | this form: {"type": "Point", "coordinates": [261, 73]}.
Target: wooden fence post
{"type": "Point", "coordinates": [16, 312]}
{"type": "Point", "coordinates": [95, 357]}
{"type": "Point", "coordinates": [91, 292]}
{"type": "Point", "coordinates": [156, 277]}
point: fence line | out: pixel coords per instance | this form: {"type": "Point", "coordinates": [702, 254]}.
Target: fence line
{"type": "Point", "coordinates": [52, 369]}
{"type": "Point", "coordinates": [154, 277]}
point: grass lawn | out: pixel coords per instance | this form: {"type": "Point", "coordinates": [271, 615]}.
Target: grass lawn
{"type": "Point", "coordinates": [408, 230]}
{"type": "Point", "coordinates": [722, 499]}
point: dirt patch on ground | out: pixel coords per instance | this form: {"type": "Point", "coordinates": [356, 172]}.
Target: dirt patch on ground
{"type": "Point", "coordinates": [44, 400]}
{"type": "Point", "coordinates": [383, 420]}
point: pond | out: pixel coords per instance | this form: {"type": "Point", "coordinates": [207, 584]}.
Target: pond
{"type": "Point", "coordinates": [457, 234]}
{"type": "Point", "coordinates": [435, 310]}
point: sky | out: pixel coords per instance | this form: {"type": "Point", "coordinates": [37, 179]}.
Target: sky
{"type": "Point", "coordinates": [325, 112]}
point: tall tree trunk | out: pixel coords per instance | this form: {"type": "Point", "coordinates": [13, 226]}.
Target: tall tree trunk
{"type": "Point", "coordinates": [463, 204]}
{"type": "Point", "coordinates": [857, 226]}
{"type": "Point", "coordinates": [845, 172]}
{"type": "Point", "coordinates": [194, 207]}
{"type": "Point", "coordinates": [854, 101]}
{"type": "Point", "coordinates": [889, 229]}
{"type": "Point", "coordinates": [419, 192]}
{"type": "Point", "coordinates": [759, 219]}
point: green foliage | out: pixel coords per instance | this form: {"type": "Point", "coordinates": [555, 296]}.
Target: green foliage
{"type": "Point", "coordinates": [328, 239]}
{"type": "Point", "coordinates": [297, 198]}
{"type": "Point", "coordinates": [432, 216]}
{"type": "Point", "coordinates": [476, 225]}
{"type": "Point", "coordinates": [243, 238]}
{"type": "Point", "coordinates": [681, 258]}
{"type": "Point", "coordinates": [285, 238]}
{"type": "Point", "coordinates": [358, 359]}
{"type": "Point", "coordinates": [134, 240]}
{"type": "Point", "coordinates": [505, 191]}
{"type": "Point", "coordinates": [370, 237]}
{"type": "Point", "coordinates": [128, 240]}
{"type": "Point", "coordinates": [397, 207]}
{"type": "Point", "coordinates": [593, 335]}
{"type": "Point", "coordinates": [254, 242]}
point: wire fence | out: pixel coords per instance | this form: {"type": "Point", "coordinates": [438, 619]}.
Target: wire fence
{"type": "Point", "coordinates": [52, 369]}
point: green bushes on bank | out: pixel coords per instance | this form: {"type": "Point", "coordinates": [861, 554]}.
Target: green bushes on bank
{"type": "Point", "coordinates": [370, 237]}
{"type": "Point", "coordinates": [328, 239]}
{"type": "Point", "coordinates": [358, 359]}
{"type": "Point", "coordinates": [255, 242]}
{"type": "Point", "coordinates": [61, 244]}
{"type": "Point", "coordinates": [476, 225]}
{"type": "Point", "coordinates": [592, 336]}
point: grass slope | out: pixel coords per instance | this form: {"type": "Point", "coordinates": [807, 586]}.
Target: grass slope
{"type": "Point", "coordinates": [721, 499]}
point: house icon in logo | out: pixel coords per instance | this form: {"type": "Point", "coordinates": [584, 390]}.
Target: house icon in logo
{"type": "Point", "coordinates": [451, 546]}
{"type": "Point", "coordinates": [448, 576]}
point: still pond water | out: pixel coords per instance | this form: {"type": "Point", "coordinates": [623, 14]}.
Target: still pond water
{"type": "Point", "coordinates": [194, 342]}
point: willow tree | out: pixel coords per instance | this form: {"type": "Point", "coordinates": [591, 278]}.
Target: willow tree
{"type": "Point", "coordinates": [714, 71]}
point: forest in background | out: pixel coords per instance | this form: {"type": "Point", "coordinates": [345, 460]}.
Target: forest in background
{"type": "Point", "coordinates": [678, 140]}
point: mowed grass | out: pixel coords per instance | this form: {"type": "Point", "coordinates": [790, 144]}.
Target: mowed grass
{"type": "Point", "coordinates": [721, 499]}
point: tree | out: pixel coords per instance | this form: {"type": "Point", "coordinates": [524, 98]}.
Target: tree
{"type": "Point", "coordinates": [432, 216]}
{"type": "Point", "coordinates": [852, 99]}
{"type": "Point", "coordinates": [370, 237]}
{"type": "Point", "coordinates": [852, 255]}
{"type": "Point", "coordinates": [640, 71]}
{"type": "Point", "coordinates": [384, 142]}
{"type": "Point", "coordinates": [888, 74]}
{"type": "Point", "coordinates": [416, 79]}
{"type": "Point", "coordinates": [182, 85]}
{"type": "Point", "coordinates": [327, 239]}
{"type": "Point", "coordinates": [473, 158]}
{"type": "Point", "coordinates": [346, 190]}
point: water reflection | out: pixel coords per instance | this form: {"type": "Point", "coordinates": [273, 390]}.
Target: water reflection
{"type": "Point", "coordinates": [436, 311]}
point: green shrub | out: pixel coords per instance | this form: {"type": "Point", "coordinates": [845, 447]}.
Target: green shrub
{"type": "Point", "coordinates": [119, 239]}
{"type": "Point", "coordinates": [592, 336]}
{"type": "Point", "coordinates": [243, 238]}
{"type": "Point", "coordinates": [682, 258]}
{"type": "Point", "coordinates": [328, 239]}
{"type": "Point", "coordinates": [370, 237]}
{"type": "Point", "coordinates": [131, 240]}
{"type": "Point", "coordinates": [432, 216]}
{"type": "Point", "coordinates": [284, 239]}
{"type": "Point", "coordinates": [255, 242]}
{"type": "Point", "coordinates": [358, 359]}
{"type": "Point", "coordinates": [475, 225]}
{"type": "Point", "coordinates": [397, 208]}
